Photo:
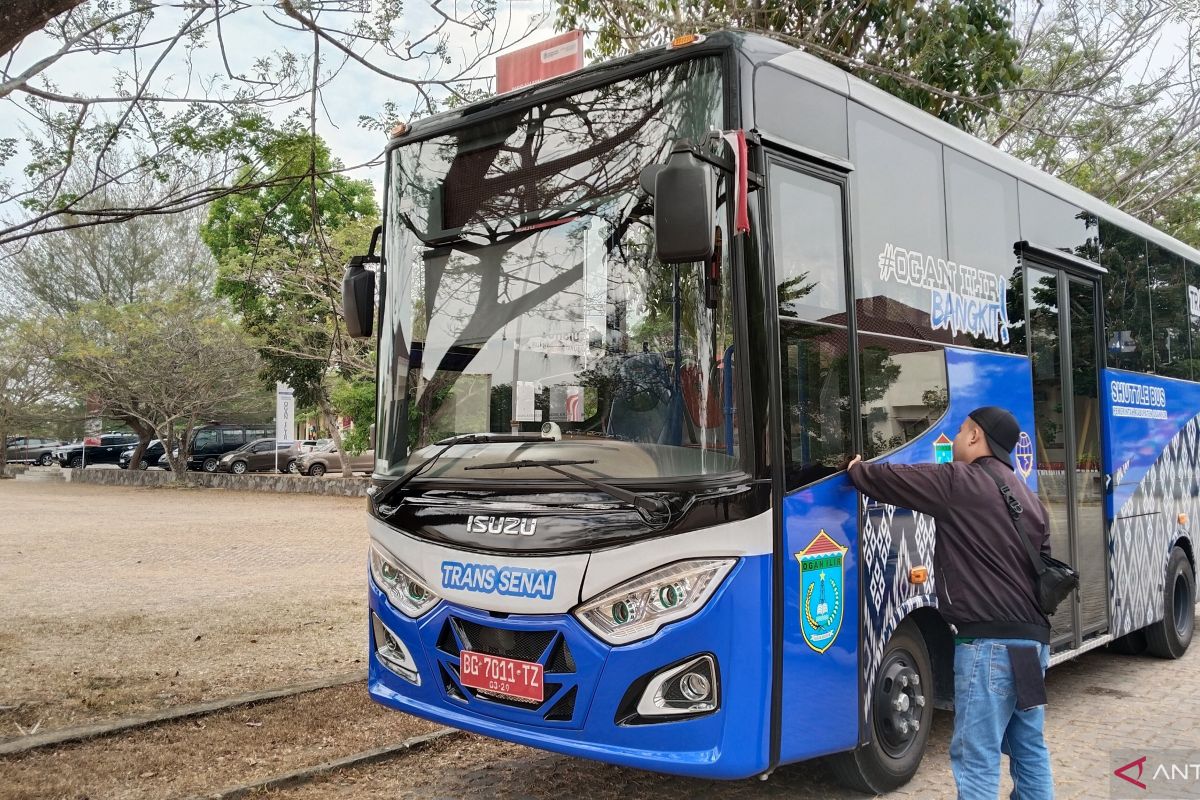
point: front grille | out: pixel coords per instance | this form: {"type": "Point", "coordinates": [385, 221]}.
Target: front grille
{"type": "Point", "coordinates": [546, 647]}
{"type": "Point", "coordinates": [560, 660]}
{"type": "Point", "coordinates": [450, 684]}
{"type": "Point", "coordinates": [564, 709]}
{"type": "Point", "coordinates": [519, 645]}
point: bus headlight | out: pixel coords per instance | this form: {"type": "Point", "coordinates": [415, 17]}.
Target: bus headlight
{"type": "Point", "coordinates": [639, 607]}
{"type": "Point", "coordinates": [403, 588]}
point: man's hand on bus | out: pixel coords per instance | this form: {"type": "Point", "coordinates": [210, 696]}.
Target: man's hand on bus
{"type": "Point", "coordinates": [854, 461]}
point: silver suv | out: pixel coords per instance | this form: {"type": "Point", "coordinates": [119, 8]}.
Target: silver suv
{"type": "Point", "coordinates": [318, 462]}
{"type": "Point", "coordinates": [30, 449]}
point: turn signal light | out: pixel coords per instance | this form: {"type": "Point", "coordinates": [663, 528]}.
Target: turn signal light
{"type": "Point", "coordinates": [1182, 518]}
{"type": "Point", "coordinates": [918, 575]}
{"type": "Point", "coordinates": [685, 40]}
{"type": "Point", "coordinates": [397, 130]}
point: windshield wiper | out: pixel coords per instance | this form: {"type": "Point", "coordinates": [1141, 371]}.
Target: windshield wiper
{"type": "Point", "coordinates": [650, 505]}
{"type": "Point", "coordinates": [381, 496]}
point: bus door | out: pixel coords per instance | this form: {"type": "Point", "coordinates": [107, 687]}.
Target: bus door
{"type": "Point", "coordinates": [807, 238]}
{"type": "Point", "coordinates": [1065, 349]}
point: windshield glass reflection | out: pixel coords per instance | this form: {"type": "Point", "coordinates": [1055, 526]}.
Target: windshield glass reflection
{"type": "Point", "coordinates": [521, 288]}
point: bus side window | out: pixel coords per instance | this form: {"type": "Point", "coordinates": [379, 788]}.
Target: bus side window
{"type": "Point", "coordinates": [816, 401]}
{"type": "Point", "coordinates": [904, 391]}
{"type": "Point", "coordinates": [808, 254]}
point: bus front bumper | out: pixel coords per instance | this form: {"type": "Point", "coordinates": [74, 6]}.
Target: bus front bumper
{"type": "Point", "coordinates": [592, 689]}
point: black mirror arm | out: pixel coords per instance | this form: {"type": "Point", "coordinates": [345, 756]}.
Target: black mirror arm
{"type": "Point", "coordinates": [371, 257]}
{"type": "Point", "coordinates": [754, 179]}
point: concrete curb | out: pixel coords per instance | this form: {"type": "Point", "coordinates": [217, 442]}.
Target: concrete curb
{"type": "Point", "coordinates": [308, 773]}
{"type": "Point", "coordinates": [269, 482]}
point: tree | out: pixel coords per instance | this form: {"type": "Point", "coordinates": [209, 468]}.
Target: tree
{"type": "Point", "coordinates": [183, 94]}
{"type": "Point", "coordinates": [166, 364]}
{"type": "Point", "coordinates": [280, 252]}
{"type": "Point", "coordinates": [1105, 106]}
{"type": "Point", "coordinates": [145, 258]}
{"type": "Point", "coordinates": [27, 382]}
{"type": "Point", "coordinates": [953, 59]}
{"type": "Point", "coordinates": [355, 399]}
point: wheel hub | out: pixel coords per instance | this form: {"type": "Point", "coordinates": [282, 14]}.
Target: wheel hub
{"type": "Point", "coordinates": [899, 704]}
{"type": "Point", "coordinates": [1183, 607]}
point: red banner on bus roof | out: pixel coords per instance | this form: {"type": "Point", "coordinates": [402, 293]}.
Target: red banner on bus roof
{"type": "Point", "coordinates": [538, 62]}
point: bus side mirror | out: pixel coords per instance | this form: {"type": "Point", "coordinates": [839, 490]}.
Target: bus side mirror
{"type": "Point", "coordinates": [358, 299]}
{"type": "Point", "coordinates": [358, 291]}
{"type": "Point", "coordinates": [684, 205]}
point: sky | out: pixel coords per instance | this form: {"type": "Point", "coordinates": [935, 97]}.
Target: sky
{"type": "Point", "coordinates": [250, 35]}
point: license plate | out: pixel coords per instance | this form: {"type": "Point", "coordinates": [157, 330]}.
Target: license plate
{"type": "Point", "coordinates": [520, 680]}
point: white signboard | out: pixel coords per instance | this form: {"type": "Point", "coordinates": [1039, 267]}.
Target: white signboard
{"type": "Point", "coordinates": [564, 343]}
{"type": "Point", "coordinates": [566, 403]}
{"type": "Point", "coordinates": [1194, 300]}
{"type": "Point", "coordinates": [525, 402]}
{"type": "Point", "coordinates": [285, 415]}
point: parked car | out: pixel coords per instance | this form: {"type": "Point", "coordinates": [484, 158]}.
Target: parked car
{"type": "Point", "coordinates": [318, 462]}
{"type": "Point", "coordinates": [30, 449]}
{"type": "Point", "coordinates": [211, 442]}
{"type": "Point", "coordinates": [108, 451]}
{"type": "Point", "coordinates": [150, 456]}
{"type": "Point", "coordinates": [261, 455]}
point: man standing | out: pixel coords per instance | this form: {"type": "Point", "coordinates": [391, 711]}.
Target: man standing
{"type": "Point", "coordinates": [986, 592]}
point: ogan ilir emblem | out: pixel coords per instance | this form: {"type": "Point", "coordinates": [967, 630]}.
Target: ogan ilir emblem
{"type": "Point", "coordinates": [821, 596]}
{"type": "Point", "coordinates": [1024, 454]}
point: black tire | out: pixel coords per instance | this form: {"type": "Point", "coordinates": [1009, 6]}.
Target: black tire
{"type": "Point", "coordinates": [46, 460]}
{"type": "Point", "coordinates": [1131, 644]}
{"type": "Point", "coordinates": [211, 464]}
{"type": "Point", "coordinates": [892, 757]}
{"type": "Point", "coordinates": [143, 464]}
{"type": "Point", "coordinates": [290, 467]}
{"type": "Point", "coordinates": [1170, 637]}
{"type": "Point", "coordinates": [316, 470]}
{"type": "Point", "coordinates": [238, 468]}
{"type": "Point", "coordinates": [76, 462]}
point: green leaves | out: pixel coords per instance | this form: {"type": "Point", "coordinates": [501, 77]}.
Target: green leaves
{"type": "Point", "coordinates": [951, 58]}
{"type": "Point", "coordinates": [281, 245]}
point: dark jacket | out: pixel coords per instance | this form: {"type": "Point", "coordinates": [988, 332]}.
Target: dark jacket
{"type": "Point", "coordinates": [985, 581]}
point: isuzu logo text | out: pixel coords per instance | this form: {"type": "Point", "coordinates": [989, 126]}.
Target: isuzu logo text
{"type": "Point", "coordinates": [513, 526]}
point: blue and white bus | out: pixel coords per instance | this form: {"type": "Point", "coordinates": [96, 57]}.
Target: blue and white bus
{"type": "Point", "coordinates": [633, 323]}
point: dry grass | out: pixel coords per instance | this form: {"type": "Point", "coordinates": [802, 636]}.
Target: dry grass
{"type": "Point", "coordinates": [116, 600]}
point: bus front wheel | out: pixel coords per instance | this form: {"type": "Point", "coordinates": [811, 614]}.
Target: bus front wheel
{"type": "Point", "coordinates": [1170, 637]}
{"type": "Point", "coordinates": [901, 716]}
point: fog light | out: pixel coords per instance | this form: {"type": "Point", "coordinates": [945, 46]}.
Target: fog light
{"type": "Point", "coordinates": [392, 653]}
{"type": "Point", "coordinates": [694, 686]}
{"type": "Point", "coordinates": [687, 688]}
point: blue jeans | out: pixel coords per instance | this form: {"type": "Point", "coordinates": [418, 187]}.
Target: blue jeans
{"type": "Point", "coordinates": [987, 723]}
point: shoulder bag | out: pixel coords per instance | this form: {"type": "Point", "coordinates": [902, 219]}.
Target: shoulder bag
{"type": "Point", "coordinates": [1055, 579]}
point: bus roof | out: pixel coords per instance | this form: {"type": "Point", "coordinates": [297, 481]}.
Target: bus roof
{"type": "Point", "coordinates": [824, 74]}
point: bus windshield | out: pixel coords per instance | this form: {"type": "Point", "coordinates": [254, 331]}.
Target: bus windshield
{"type": "Point", "coordinates": [520, 288]}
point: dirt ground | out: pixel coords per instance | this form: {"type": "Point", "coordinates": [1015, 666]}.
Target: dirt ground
{"type": "Point", "coordinates": [205, 755]}
{"type": "Point", "coordinates": [1101, 705]}
{"type": "Point", "coordinates": [115, 600]}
